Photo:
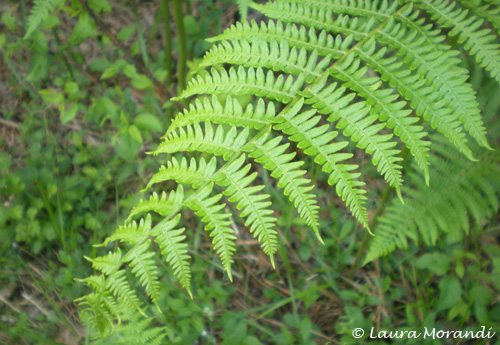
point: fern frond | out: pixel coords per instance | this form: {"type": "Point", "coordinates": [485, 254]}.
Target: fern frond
{"type": "Point", "coordinates": [457, 193]}
{"type": "Point", "coordinates": [383, 105]}
{"type": "Point", "coordinates": [98, 314]}
{"type": "Point", "coordinates": [107, 264]}
{"type": "Point", "coordinates": [243, 82]}
{"type": "Point", "coordinates": [118, 285]}
{"type": "Point", "coordinates": [317, 142]}
{"type": "Point", "coordinates": [273, 158]}
{"type": "Point", "coordinates": [380, 9]}
{"type": "Point", "coordinates": [491, 14]}
{"type": "Point", "coordinates": [319, 18]}
{"type": "Point", "coordinates": [192, 138]}
{"type": "Point", "coordinates": [217, 224]}
{"type": "Point", "coordinates": [163, 205]}
{"type": "Point", "coordinates": [144, 267]}
{"type": "Point", "coordinates": [138, 331]}
{"type": "Point", "coordinates": [243, 8]}
{"type": "Point", "coordinates": [40, 11]}
{"type": "Point", "coordinates": [174, 250]}
{"type": "Point", "coordinates": [102, 298]}
{"type": "Point", "coordinates": [458, 93]}
{"type": "Point", "coordinates": [231, 114]}
{"type": "Point", "coordinates": [275, 55]}
{"type": "Point", "coordinates": [254, 207]}
{"type": "Point", "coordinates": [131, 232]}
{"type": "Point", "coordinates": [195, 173]}
{"type": "Point", "coordinates": [355, 123]}
{"type": "Point", "coordinates": [430, 65]}
{"type": "Point", "coordinates": [480, 42]}
{"type": "Point", "coordinates": [298, 37]}
{"type": "Point", "coordinates": [357, 67]}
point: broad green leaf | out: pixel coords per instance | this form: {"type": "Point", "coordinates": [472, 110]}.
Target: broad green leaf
{"type": "Point", "coordinates": [99, 5]}
{"type": "Point", "coordinates": [84, 28]}
{"type": "Point", "coordinates": [450, 292]}
{"type": "Point", "coordinates": [9, 20]}
{"type": "Point", "coordinates": [135, 133]}
{"type": "Point", "coordinates": [125, 33]}
{"type": "Point", "coordinates": [50, 22]}
{"type": "Point", "coordinates": [109, 72]}
{"type": "Point", "coordinates": [51, 96]}
{"type": "Point", "coordinates": [190, 25]}
{"type": "Point", "coordinates": [437, 263]}
{"type": "Point", "coordinates": [141, 82]}
{"type": "Point", "coordinates": [68, 114]}
{"type": "Point", "coordinates": [126, 147]}
{"type": "Point", "coordinates": [148, 122]}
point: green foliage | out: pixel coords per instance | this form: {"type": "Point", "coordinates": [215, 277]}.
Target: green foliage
{"type": "Point", "coordinates": [460, 190]}
{"type": "Point", "coordinates": [378, 72]}
{"type": "Point", "coordinates": [40, 12]}
{"type": "Point", "coordinates": [297, 104]}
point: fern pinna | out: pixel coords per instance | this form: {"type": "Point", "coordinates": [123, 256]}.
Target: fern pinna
{"type": "Point", "coordinates": [322, 74]}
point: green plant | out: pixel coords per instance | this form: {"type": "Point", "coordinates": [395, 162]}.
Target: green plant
{"type": "Point", "coordinates": [387, 72]}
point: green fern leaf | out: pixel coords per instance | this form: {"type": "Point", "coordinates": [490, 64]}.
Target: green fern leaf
{"type": "Point", "coordinates": [451, 78]}
{"type": "Point", "coordinates": [40, 11]}
{"type": "Point", "coordinates": [131, 232]}
{"type": "Point", "coordinates": [219, 143]}
{"type": "Point", "coordinates": [319, 18]}
{"type": "Point", "coordinates": [254, 207]}
{"type": "Point", "coordinates": [429, 65]}
{"type": "Point", "coordinates": [275, 55]}
{"type": "Point", "coordinates": [372, 9]}
{"type": "Point", "coordinates": [273, 158]}
{"type": "Point", "coordinates": [175, 252]}
{"type": "Point", "coordinates": [231, 114]}
{"type": "Point", "coordinates": [217, 224]}
{"type": "Point", "coordinates": [480, 43]}
{"type": "Point", "coordinates": [194, 174]}
{"type": "Point", "coordinates": [144, 267]}
{"type": "Point", "coordinates": [163, 205]}
{"type": "Point", "coordinates": [356, 66]}
{"type": "Point", "coordinates": [383, 106]}
{"type": "Point", "coordinates": [298, 37]}
{"type": "Point", "coordinates": [355, 124]}
{"type": "Point", "coordinates": [456, 193]}
{"type": "Point", "coordinates": [243, 8]}
{"type": "Point", "coordinates": [107, 264]}
{"type": "Point", "coordinates": [118, 285]}
{"type": "Point", "coordinates": [491, 14]}
{"type": "Point", "coordinates": [243, 82]}
{"type": "Point", "coordinates": [97, 313]}
{"type": "Point", "coordinates": [317, 143]}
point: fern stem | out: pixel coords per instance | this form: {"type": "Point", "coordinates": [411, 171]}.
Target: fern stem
{"type": "Point", "coordinates": [181, 36]}
{"type": "Point", "coordinates": [168, 40]}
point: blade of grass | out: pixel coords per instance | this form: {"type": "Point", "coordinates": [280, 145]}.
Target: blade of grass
{"type": "Point", "coordinates": [181, 36]}
{"type": "Point", "coordinates": [167, 18]}
{"type": "Point", "coordinates": [140, 35]}
{"type": "Point", "coordinates": [54, 306]}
